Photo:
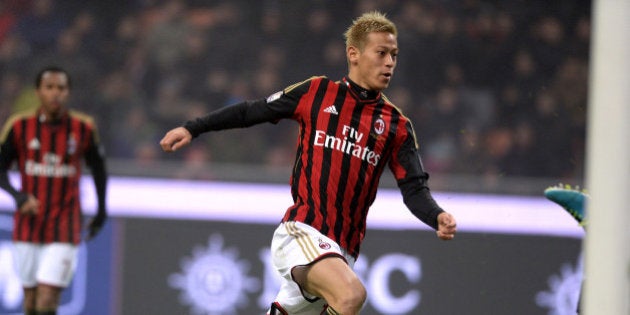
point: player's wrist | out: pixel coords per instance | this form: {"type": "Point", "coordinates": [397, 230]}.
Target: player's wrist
{"type": "Point", "coordinates": [190, 127]}
{"type": "Point", "coordinates": [20, 199]}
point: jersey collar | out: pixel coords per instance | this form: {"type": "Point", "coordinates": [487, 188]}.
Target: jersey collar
{"type": "Point", "coordinates": [361, 93]}
{"type": "Point", "coordinates": [43, 119]}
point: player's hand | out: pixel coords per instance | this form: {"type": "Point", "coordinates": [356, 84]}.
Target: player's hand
{"type": "Point", "coordinates": [30, 206]}
{"type": "Point", "coordinates": [94, 227]}
{"type": "Point", "coordinates": [447, 226]}
{"type": "Point", "coordinates": [175, 139]}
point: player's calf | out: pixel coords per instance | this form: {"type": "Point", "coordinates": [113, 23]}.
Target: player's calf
{"type": "Point", "coordinates": [331, 311]}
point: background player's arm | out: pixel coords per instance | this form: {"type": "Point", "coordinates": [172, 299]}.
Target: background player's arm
{"type": "Point", "coordinates": [95, 160]}
{"type": "Point", "coordinates": [25, 203]}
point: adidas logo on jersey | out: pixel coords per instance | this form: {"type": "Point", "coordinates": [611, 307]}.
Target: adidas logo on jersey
{"type": "Point", "coordinates": [331, 110]}
{"type": "Point", "coordinates": [34, 144]}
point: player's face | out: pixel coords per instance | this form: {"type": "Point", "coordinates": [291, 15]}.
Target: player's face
{"type": "Point", "coordinates": [53, 92]}
{"type": "Point", "coordinates": [377, 61]}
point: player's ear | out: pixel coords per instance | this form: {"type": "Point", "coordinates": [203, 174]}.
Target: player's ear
{"type": "Point", "coordinates": [352, 53]}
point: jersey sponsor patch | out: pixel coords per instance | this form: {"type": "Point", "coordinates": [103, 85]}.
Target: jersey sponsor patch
{"type": "Point", "coordinates": [274, 97]}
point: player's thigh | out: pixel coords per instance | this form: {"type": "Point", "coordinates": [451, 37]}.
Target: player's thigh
{"type": "Point", "coordinates": [26, 260]}
{"type": "Point", "coordinates": [58, 262]}
{"type": "Point", "coordinates": [297, 244]}
{"type": "Point", "coordinates": [328, 277]}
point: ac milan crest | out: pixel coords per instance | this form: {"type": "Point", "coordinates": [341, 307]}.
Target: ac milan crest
{"type": "Point", "coordinates": [323, 244]}
{"type": "Point", "coordinates": [379, 126]}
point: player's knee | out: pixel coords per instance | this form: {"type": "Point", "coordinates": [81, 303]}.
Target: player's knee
{"type": "Point", "coordinates": [359, 293]}
{"type": "Point", "coordinates": [29, 300]}
{"type": "Point", "coordinates": [47, 298]}
{"type": "Point", "coordinates": [352, 300]}
{"type": "Point", "coordinates": [46, 302]}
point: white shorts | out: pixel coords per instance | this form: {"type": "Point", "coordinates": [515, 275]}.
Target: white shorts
{"type": "Point", "coordinates": [52, 264]}
{"type": "Point", "coordinates": [295, 244]}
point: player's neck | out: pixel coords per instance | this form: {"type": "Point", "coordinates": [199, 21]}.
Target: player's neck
{"type": "Point", "coordinates": [51, 116]}
{"type": "Point", "coordinates": [355, 79]}
{"type": "Point", "coordinates": [363, 93]}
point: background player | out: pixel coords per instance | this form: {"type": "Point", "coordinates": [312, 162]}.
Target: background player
{"type": "Point", "coordinates": [49, 144]}
{"type": "Point", "coordinates": [349, 132]}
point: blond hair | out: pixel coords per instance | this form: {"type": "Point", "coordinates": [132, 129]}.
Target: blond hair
{"type": "Point", "coordinates": [370, 22]}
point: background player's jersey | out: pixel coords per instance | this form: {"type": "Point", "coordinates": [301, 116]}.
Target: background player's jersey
{"type": "Point", "coordinates": [49, 156]}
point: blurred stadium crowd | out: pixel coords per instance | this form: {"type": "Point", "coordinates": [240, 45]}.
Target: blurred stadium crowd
{"type": "Point", "coordinates": [494, 88]}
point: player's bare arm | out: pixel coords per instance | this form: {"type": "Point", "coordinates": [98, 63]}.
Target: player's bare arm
{"type": "Point", "coordinates": [175, 139]}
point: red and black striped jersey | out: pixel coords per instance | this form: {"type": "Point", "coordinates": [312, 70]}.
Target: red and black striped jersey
{"type": "Point", "coordinates": [347, 136]}
{"type": "Point", "coordinates": [345, 141]}
{"type": "Point", "coordinates": [49, 156]}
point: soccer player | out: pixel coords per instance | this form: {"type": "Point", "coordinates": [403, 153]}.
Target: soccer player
{"type": "Point", "coordinates": [348, 132]}
{"type": "Point", "coordinates": [48, 143]}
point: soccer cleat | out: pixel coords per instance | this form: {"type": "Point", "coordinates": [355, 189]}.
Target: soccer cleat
{"type": "Point", "coordinates": [571, 199]}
